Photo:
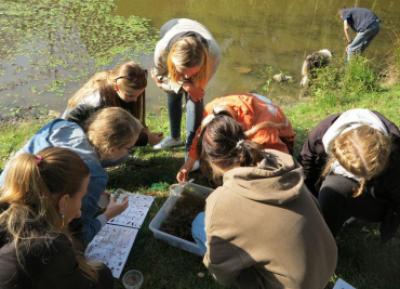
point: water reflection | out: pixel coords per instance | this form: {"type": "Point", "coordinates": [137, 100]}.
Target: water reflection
{"type": "Point", "coordinates": [255, 34]}
{"type": "Point", "coordinates": [52, 47]}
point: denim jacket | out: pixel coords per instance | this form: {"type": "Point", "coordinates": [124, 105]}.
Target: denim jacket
{"type": "Point", "coordinates": [66, 134]}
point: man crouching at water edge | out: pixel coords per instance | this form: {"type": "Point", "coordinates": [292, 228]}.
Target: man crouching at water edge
{"type": "Point", "coordinates": [364, 22]}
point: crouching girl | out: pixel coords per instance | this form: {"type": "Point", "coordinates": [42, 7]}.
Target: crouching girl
{"type": "Point", "coordinates": [40, 195]}
{"type": "Point", "coordinates": [352, 163]}
{"type": "Point", "coordinates": [264, 123]}
{"type": "Point", "coordinates": [123, 86]}
{"type": "Point", "coordinates": [263, 227]}
{"type": "Point", "coordinates": [106, 136]}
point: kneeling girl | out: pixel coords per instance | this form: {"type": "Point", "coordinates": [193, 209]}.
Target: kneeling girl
{"type": "Point", "coordinates": [263, 227]}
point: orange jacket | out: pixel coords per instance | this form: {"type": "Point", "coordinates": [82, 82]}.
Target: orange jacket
{"type": "Point", "coordinates": [249, 111]}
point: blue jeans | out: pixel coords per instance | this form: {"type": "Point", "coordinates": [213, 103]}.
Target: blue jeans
{"type": "Point", "coordinates": [362, 40]}
{"type": "Point", "coordinates": [194, 115]}
{"type": "Point", "coordinates": [199, 232]}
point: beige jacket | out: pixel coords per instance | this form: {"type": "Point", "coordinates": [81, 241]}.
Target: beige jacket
{"type": "Point", "coordinates": [264, 229]}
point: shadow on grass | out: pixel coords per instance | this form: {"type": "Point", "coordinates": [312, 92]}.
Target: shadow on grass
{"type": "Point", "coordinates": [301, 136]}
{"type": "Point", "coordinates": [364, 261]}
{"type": "Point", "coordinates": [139, 173]}
{"type": "Point", "coordinates": [163, 266]}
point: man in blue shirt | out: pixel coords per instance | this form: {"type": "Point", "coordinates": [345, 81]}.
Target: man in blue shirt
{"type": "Point", "coordinates": [362, 21]}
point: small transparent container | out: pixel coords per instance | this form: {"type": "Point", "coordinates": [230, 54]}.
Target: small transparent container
{"type": "Point", "coordinates": [132, 279]}
{"type": "Point", "coordinates": [166, 209]}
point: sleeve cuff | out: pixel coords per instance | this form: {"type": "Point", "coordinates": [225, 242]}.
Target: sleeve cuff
{"type": "Point", "coordinates": [143, 139]}
{"type": "Point", "coordinates": [102, 219]}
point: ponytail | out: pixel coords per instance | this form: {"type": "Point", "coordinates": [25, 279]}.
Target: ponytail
{"type": "Point", "coordinates": [130, 76]}
{"type": "Point", "coordinates": [223, 143]}
{"type": "Point", "coordinates": [32, 184]}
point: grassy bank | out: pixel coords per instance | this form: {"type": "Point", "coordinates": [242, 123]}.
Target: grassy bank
{"type": "Point", "coordinates": [363, 261]}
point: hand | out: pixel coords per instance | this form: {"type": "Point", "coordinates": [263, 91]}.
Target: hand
{"type": "Point", "coordinates": [266, 124]}
{"type": "Point", "coordinates": [157, 79]}
{"type": "Point", "coordinates": [155, 138]}
{"type": "Point", "coordinates": [115, 208]}
{"type": "Point", "coordinates": [250, 132]}
{"type": "Point", "coordinates": [195, 93]}
{"type": "Point", "coordinates": [104, 200]}
{"type": "Point", "coordinates": [182, 175]}
{"type": "Point", "coordinates": [106, 194]}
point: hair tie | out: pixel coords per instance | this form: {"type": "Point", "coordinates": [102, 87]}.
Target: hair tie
{"type": "Point", "coordinates": [239, 143]}
{"type": "Point", "coordinates": [39, 159]}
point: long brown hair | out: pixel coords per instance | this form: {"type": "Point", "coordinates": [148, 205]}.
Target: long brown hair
{"type": "Point", "coordinates": [32, 186]}
{"type": "Point", "coordinates": [130, 76]}
{"type": "Point", "coordinates": [186, 52]}
{"type": "Point", "coordinates": [223, 143]}
{"type": "Point", "coordinates": [363, 151]}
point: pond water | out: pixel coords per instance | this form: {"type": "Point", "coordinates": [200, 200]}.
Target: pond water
{"type": "Point", "coordinates": [50, 50]}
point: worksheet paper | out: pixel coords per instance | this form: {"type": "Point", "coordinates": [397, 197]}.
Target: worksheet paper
{"type": "Point", "coordinates": [114, 242]}
{"type": "Point", "coordinates": [341, 284]}
{"type": "Point", "coordinates": [134, 216]}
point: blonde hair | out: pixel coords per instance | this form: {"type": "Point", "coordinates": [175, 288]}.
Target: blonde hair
{"type": "Point", "coordinates": [32, 184]}
{"type": "Point", "coordinates": [130, 76]}
{"type": "Point", "coordinates": [188, 52]}
{"type": "Point", "coordinates": [111, 128]}
{"type": "Point", "coordinates": [363, 151]}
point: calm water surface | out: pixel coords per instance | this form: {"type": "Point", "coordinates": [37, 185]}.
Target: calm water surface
{"type": "Point", "coordinates": [253, 35]}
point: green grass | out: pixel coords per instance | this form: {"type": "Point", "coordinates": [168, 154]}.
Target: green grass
{"type": "Point", "coordinates": [14, 135]}
{"type": "Point", "coordinates": [363, 261]}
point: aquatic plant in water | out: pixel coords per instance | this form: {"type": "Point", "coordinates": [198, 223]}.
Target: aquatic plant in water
{"type": "Point", "coordinates": [102, 33]}
{"type": "Point", "coordinates": [57, 45]}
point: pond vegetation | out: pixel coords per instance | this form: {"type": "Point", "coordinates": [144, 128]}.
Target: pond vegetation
{"type": "Point", "coordinates": [82, 36]}
{"type": "Point", "coordinates": [52, 47]}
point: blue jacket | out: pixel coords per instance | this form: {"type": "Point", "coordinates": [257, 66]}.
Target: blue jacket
{"type": "Point", "coordinates": [359, 19]}
{"type": "Point", "coordinates": [65, 134]}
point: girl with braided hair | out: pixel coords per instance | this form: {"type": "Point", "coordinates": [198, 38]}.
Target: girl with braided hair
{"type": "Point", "coordinates": [351, 163]}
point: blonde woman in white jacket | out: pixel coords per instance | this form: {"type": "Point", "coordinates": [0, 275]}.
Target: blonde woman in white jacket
{"type": "Point", "coordinates": [185, 58]}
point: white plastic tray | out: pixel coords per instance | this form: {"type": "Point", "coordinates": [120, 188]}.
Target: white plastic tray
{"type": "Point", "coordinates": [175, 192]}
